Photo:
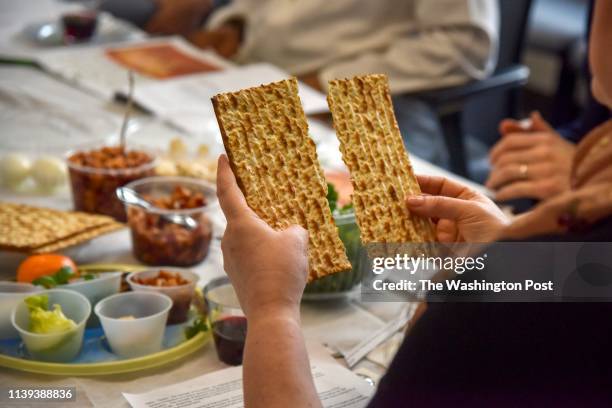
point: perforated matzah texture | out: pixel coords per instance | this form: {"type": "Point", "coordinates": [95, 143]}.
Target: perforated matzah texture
{"type": "Point", "coordinates": [373, 150]}
{"type": "Point", "coordinates": [34, 229]}
{"type": "Point", "coordinates": [275, 162]}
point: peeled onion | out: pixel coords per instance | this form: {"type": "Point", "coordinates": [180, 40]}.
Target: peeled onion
{"type": "Point", "coordinates": [14, 168]}
{"type": "Point", "coordinates": [49, 172]}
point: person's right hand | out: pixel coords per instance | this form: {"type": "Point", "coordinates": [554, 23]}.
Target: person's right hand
{"type": "Point", "coordinates": [178, 16]}
{"type": "Point", "coordinates": [459, 213]}
{"type": "Point", "coordinates": [268, 268]}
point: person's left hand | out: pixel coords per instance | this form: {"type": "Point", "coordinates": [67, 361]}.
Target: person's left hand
{"type": "Point", "coordinates": [530, 163]}
{"type": "Point", "coordinates": [178, 16]}
{"type": "Point", "coordinates": [268, 268]}
{"type": "Point", "coordinates": [459, 213]}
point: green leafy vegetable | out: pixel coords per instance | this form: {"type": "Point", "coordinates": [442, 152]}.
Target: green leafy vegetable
{"type": "Point", "coordinates": [37, 302]}
{"type": "Point", "coordinates": [44, 321]}
{"type": "Point", "coordinates": [332, 197]}
{"type": "Point", "coordinates": [64, 275]}
{"type": "Point", "coordinates": [88, 276]}
{"type": "Point", "coordinates": [346, 208]}
{"type": "Point", "coordinates": [199, 324]}
{"type": "Point", "coordinates": [61, 277]}
{"type": "Point", "coordinates": [48, 282]}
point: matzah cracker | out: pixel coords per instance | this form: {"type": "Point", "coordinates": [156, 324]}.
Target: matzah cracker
{"type": "Point", "coordinates": [265, 135]}
{"type": "Point", "coordinates": [78, 238]}
{"type": "Point", "coordinates": [373, 150]}
{"type": "Point", "coordinates": [25, 228]}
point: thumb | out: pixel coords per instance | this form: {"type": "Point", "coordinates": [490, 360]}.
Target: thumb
{"type": "Point", "coordinates": [231, 199]}
{"type": "Point", "coordinates": [538, 123]}
{"type": "Point", "coordinates": [439, 207]}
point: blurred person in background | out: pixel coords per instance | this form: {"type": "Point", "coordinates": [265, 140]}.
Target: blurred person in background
{"type": "Point", "coordinates": [163, 17]}
{"type": "Point", "coordinates": [532, 159]}
{"type": "Point", "coordinates": [418, 44]}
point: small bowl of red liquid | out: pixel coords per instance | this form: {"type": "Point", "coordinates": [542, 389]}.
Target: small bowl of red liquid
{"type": "Point", "coordinates": [229, 325]}
{"type": "Point", "coordinates": [79, 26]}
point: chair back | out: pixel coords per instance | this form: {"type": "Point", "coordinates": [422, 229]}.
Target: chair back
{"type": "Point", "coordinates": [513, 28]}
{"type": "Point", "coordinates": [481, 115]}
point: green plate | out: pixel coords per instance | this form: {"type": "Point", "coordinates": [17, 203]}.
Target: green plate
{"type": "Point", "coordinates": [108, 367]}
{"type": "Point", "coordinates": [96, 358]}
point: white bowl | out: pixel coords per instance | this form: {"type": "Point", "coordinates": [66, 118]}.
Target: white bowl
{"type": "Point", "coordinates": [56, 347]}
{"type": "Point", "coordinates": [11, 293]}
{"type": "Point", "coordinates": [134, 322]}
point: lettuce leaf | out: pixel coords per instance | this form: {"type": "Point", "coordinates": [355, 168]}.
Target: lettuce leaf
{"type": "Point", "coordinates": [44, 321]}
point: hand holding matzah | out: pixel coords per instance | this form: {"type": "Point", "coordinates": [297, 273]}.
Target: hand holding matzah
{"type": "Point", "coordinates": [461, 214]}
{"type": "Point", "coordinates": [267, 268]}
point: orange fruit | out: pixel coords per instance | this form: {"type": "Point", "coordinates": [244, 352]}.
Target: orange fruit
{"type": "Point", "coordinates": [36, 266]}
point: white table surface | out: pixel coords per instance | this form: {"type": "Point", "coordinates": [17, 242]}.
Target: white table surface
{"type": "Point", "coordinates": [341, 324]}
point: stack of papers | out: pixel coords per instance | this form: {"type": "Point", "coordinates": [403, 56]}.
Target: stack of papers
{"type": "Point", "coordinates": [174, 80]}
{"type": "Point", "coordinates": [336, 386]}
{"type": "Point", "coordinates": [103, 69]}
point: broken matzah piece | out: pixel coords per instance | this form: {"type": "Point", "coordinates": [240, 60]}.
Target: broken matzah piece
{"type": "Point", "coordinates": [27, 229]}
{"type": "Point", "coordinates": [373, 150]}
{"type": "Point", "coordinates": [265, 135]}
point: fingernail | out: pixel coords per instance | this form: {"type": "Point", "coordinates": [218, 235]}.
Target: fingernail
{"type": "Point", "coordinates": [223, 160]}
{"type": "Point", "coordinates": [415, 201]}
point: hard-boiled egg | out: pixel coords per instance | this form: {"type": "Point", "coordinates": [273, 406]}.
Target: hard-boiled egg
{"type": "Point", "coordinates": [14, 169]}
{"type": "Point", "coordinates": [49, 172]}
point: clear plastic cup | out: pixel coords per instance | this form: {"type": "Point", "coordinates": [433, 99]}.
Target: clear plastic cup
{"type": "Point", "coordinates": [11, 293]}
{"type": "Point", "coordinates": [181, 295]}
{"type": "Point", "coordinates": [134, 322]}
{"type": "Point", "coordinates": [157, 241]}
{"type": "Point", "coordinates": [102, 286]}
{"type": "Point", "coordinates": [93, 188]}
{"type": "Point", "coordinates": [227, 319]}
{"type": "Point", "coordinates": [55, 347]}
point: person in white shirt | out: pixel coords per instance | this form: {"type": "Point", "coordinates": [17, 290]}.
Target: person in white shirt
{"type": "Point", "coordinates": [418, 44]}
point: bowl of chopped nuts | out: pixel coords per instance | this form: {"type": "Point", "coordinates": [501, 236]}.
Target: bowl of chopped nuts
{"type": "Point", "coordinates": [160, 233]}
{"type": "Point", "coordinates": [178, 284]}
{"type": "Point", "coordinates": [96, 171]}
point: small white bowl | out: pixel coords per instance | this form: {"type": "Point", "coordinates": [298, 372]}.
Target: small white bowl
{"type": "Point", "coordinates": [56, 347]}
{"type": "Point", "coordinates": [11, 293]}
{"type": "Point", "coordinates": [134, 322]}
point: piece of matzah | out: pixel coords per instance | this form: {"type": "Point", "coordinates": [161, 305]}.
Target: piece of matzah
{"type": "Point", "coordinates": [25, 228]}
{"type": "Point", "coordinates": [78, 238]}
{"type": "Point", "coordinates": [373, 150]}
{"type": "Point", "coordinates": [265, 135]}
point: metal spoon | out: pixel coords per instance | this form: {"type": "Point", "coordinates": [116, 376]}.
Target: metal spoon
{"type": "Point", "coordinates": [129, 196]}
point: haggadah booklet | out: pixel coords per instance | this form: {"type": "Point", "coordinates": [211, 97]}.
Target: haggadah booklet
{"type": "Point", "coordinates": [337, 387]}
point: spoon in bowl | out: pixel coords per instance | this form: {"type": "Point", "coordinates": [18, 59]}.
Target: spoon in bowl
{"type": "Point", "coordinates": [129, 196]}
